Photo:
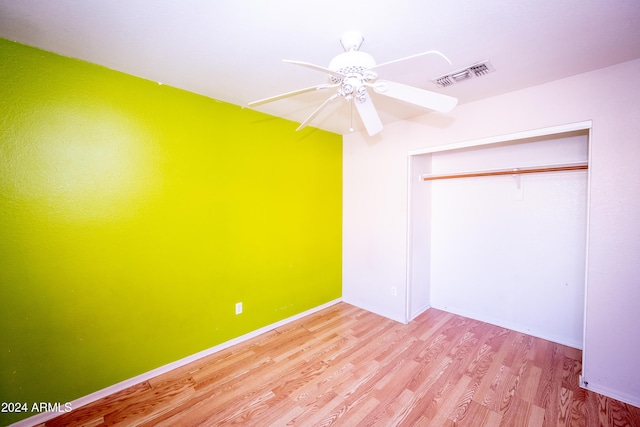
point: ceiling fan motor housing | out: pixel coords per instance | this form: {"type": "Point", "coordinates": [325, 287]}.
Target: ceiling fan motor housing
{"type": "Point", "coordinates": [353, 62]}
{"type": "Point", "coordinates": [353, 65]}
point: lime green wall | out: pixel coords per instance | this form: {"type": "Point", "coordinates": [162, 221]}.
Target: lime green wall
{"type": "Point", "coordinates": [133, 216]}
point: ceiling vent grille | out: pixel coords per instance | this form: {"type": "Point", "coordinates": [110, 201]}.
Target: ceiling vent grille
{"type": "Point", "coordinates": [475, 70]}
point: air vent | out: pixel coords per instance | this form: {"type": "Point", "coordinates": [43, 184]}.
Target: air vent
{"type": "Point", "coordinates": [444, 81]}
{"type": "Point", "coordinates": [475, 70]}
{"type": "Point", "coordinates": [480, 69]}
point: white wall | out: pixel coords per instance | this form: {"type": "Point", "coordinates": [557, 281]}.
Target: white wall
{"type": "Point", "coordinates": [501, 246]}
{"type": "Point", "coordinates": [375, 206]}
{"type": "Point", "coordinates": [374, 226]}
{"type": "Point", "coordinates": [419, 237]}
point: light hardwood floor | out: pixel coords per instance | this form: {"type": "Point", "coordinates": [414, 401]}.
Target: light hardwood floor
{"type": "Point", "coordinates": [345, 366]}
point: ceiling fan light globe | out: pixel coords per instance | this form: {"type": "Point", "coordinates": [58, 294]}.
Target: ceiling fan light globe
{"type": "Point", "coordinates": [380, 87]}
{"type": "Point", "coordinates": [370, 76]}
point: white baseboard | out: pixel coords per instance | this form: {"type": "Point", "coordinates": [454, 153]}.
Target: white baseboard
{"type": "Point", "coordinates": [46, 416]}
{"type": "Point", "coordinates": [419, 311]}
{"type": "Point", "coordinates": [512, 326]}
{"type": "Point", "coordinates": [375, 310]}
{"type": "Point", "coordinates": [609, 392]}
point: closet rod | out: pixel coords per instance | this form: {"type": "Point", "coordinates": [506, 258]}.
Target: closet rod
{"type": "Point", "coordinates": [515, 171]}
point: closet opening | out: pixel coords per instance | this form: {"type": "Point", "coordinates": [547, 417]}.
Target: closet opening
{"type": "Point", "coordinates": [498, 231]}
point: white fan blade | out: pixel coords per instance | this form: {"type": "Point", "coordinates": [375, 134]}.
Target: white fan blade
{"type": "Point", "coordinates": [315, 67]}
{"type": "Point", "coordinates": [317, 110]}
{"type": "Point", "coordinates": [293, 93]}
{"type": "Point", "coordinates": [424, 98]}
{"type": "Point", "coordinates": [369, 115]}
{"type": "Point", "coordinates": [411, 57]}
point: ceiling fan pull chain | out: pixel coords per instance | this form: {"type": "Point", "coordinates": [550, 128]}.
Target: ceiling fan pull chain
{"type": "Point", "coordinates": [351, 118]}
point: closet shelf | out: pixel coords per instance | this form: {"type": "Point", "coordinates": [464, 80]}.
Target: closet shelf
{"type": "Point", "coordinates": [513, 171]}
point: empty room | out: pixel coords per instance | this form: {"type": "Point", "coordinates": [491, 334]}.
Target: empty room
{"type": "Point", "coordinates": [319, 213]}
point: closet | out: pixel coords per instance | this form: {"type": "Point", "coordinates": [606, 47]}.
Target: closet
{"type": "Point", "coordinates": [498, 231]}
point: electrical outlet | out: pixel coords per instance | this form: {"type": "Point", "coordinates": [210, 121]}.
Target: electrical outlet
{"type": "Point", "coordinates": [394, 291]}
{"type": "Point", "coordinates": [238, 308]}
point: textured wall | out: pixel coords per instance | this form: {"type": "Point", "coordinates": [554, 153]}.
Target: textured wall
{"type": "Point", "coordinates": [133, 216]}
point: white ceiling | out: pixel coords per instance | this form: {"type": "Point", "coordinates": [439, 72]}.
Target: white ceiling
{"type": "Point", "coordinates": [231, 50]}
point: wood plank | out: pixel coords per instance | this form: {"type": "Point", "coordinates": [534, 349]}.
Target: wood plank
{"type": "Point", "coordinates": [477, 415]}
{"type": "Point", "coordinates": [346, 366]}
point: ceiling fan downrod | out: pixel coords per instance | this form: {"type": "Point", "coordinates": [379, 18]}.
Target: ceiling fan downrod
{"type": "Point", "coordinates": [351, 41]}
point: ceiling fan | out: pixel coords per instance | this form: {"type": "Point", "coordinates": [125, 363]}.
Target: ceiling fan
{"type": "Point", "coordinates": [353, 74]}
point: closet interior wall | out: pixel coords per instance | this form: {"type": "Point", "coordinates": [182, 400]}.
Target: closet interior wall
{"type": "Point", "coordinates": [509, 250]}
